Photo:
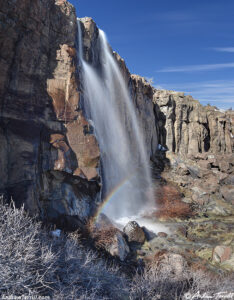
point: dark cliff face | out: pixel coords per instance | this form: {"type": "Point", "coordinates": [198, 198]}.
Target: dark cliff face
{"type": "Point", "coordinates": [49, 157]}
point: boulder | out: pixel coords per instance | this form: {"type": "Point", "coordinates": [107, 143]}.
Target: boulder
{"type": "Point", "coordinates": [205, 164]}
{"type": "Point", "coordinates": [173, 264]}
{"type": "Point", "coordinates": [229, 180]}
{"type": "Point", "coordinates": [110, 239]}
{"type": "Point", "coordinates": [224, 166]}
{"type": "Point", "coordinates": [227, 192]}
{"type": "Point", "coordinates": [183, 169]}
{"type": "Point", "coordinates": [119, 246]}
{"type": "Point", "coordinates": [221, 254]}
{"type": "Point", "coordinates": [134, 232]}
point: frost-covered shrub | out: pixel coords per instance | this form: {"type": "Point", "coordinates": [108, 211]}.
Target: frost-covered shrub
{"type": "Point", "coordinates": [26, 259]}
{"type": "Point", "coordinates": [32, 262]}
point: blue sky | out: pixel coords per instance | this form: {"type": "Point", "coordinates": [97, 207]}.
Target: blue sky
{"type": "Point", "coordinates": [182, 45]}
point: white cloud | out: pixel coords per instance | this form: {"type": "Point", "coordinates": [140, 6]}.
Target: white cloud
{"type": "Point", "coordinates": [194, 68]}
{"type": "Point", "coordinates": [225, 49]}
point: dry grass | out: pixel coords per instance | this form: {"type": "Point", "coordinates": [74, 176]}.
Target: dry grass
{"type": "Point", "coordinates": [104, 237]}
{"type": "Point", "coordinates": [26, 258]}
{"type": "Point", "coordinates": [155, 283]}
{"type": "Point", "coordinates": [170, 205]}
{"type": "Point", "coordinates": [34, 263]}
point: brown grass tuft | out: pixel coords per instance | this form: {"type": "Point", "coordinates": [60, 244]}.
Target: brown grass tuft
{"type": "Point", "coordinates": [169, 203]}
{"type": "Point", "coordinates": [104, 237]}
{"type": "Point", "coordinates": [155, 259]}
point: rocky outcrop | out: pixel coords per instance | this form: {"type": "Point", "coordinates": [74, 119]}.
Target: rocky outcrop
{"type": "Point", "coordinates": [205, 181]}
{"type": "Point", "coordinates": [187, 127]}
{"type": "Point", "coordinates": [176, 121]}
{"type": "Point", "coordinates": [49, 157]}
{"type": "Point", "coordinates": [142, 95]}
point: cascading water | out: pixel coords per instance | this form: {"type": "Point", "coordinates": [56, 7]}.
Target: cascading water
{"type": "Point", "coordinates": [125, 168]}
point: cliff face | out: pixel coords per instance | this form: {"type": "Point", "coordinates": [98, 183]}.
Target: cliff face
{"type": "Point", "coordinates": [187, 127]}
{"type": "Point", "coordinates": [177, 122]}
{"type": "Point", "coordinates": [48, 156]}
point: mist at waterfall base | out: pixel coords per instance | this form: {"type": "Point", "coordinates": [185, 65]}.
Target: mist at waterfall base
{"type": "Point", "coordinates": [126, 179]}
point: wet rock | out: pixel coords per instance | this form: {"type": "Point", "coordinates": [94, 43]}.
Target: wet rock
{"type": "Point", "coordinates": [149, 235]}
{"type": "Point", "coordinates": [134, 232]}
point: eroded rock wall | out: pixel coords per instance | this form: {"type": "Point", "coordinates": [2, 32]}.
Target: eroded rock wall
{"type": "Point", "coordinates": [172, 119]}
{"type": "Point", "coordinates": [142, 94]}
{"type": "Point", "coordinates": [187, 127]}
{"type": "Point", "coordinates": [49, 157]}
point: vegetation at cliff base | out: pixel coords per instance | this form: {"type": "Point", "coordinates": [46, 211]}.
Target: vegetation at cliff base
{"type": "Point", "coordinates": [35, 263]}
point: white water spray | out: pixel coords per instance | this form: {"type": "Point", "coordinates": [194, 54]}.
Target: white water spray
{"type": "Point", "coordinates": [125, 168]}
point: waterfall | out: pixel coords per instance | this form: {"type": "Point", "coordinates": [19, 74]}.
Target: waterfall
{"type": "Point", "coordinates": [125, 168]}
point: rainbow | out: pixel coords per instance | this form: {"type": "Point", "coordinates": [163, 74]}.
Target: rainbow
{"type": "Point", "coordinates": [112, 195]}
